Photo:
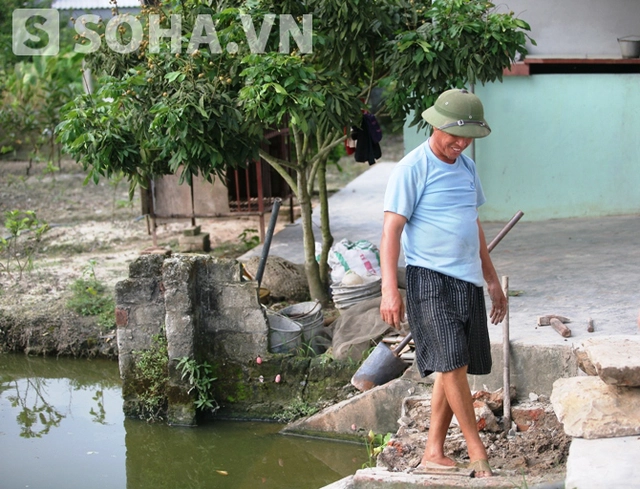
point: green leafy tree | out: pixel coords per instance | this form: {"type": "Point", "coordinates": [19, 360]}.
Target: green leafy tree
{"type": "Point", "coordinates": [7, 58]}
{"type": "Point", "coordinates": [201, 111]}
{"type": "Point", "coordinates": [30, 103]}
{"type": "Point", "coordinates": [33, 89]}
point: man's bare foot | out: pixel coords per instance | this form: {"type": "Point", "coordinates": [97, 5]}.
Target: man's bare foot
{"type": "Point", "coordinates": [441, 460]}
{"type": "Point", "coordinates": [480, 469]}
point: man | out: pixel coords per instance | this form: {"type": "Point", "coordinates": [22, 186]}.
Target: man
{"type": "Point", "coordinates": [431, 209]}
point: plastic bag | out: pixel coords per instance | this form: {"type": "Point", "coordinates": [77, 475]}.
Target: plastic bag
{"type": "Point", "coordinates": [363, 257]}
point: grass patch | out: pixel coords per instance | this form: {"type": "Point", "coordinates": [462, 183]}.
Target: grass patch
{"type": "Point", "coordinates": [296, 410]}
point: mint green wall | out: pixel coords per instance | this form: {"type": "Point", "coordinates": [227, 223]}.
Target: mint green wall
{"type": "Point", "coordinates": [561, 146]}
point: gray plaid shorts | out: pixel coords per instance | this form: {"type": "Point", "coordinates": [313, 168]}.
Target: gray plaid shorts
{"type": "Point", "coordinates": [448, 321]}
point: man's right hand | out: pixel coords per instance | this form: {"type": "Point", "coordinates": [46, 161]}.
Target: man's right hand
{"type": "Point", "coordinates": [391, 305]}
{"type": "Point", "coordinates": [392, 308]}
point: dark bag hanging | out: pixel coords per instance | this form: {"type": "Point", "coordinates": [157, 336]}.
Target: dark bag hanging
{"type": "Point", "coordinates": [367, 139]}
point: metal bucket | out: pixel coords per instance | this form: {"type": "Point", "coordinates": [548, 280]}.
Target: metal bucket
{"type": "Point", "coordinates": [629, 46]}
{"type": "Point", "coordinates": [380, 367]}
{"type": "Point", "coordinates": [285, 335]}
{"type": "Point", "coordinates": [309, 316]}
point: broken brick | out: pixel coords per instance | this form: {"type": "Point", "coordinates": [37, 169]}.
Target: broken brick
{"type": "Point", "coordinates": [122, 317]}
{"type": "Point", "coordinates": [526, 416]}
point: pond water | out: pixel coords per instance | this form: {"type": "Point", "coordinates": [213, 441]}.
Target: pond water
{"type": "Point", "coordinates": [61, 426]}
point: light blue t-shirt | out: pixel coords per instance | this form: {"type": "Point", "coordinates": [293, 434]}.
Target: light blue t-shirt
{"type": "Point", "coordinates": [440, 202]}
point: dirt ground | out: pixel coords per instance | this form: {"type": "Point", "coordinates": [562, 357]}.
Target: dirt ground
{"type": "Point", "coordinates": [95, 228]}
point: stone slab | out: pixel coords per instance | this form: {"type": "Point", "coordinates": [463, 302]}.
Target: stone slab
{"type": "Point", "coordinates": [615, 358]}
{"type": "Point", "coordinates": [192, 231]}
{"type": "Point", "coordinates": [345, 483]}
{"type": "Point", "coordinates": [377, 409]}
{"type": "Point", "coordinates": [379, 478]}
{"type": "Point", "coordinates": [201, 242]}
{"type": "Point", "coordinates": [534, 368]}
{"type": "Point", "coordinates": [610, 462]}
{"type": "Point", "coordinates": [591, 409]}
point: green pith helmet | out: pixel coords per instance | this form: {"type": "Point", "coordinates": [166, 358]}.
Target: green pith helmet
{"type": "Point", "coordinates": [459, 113]}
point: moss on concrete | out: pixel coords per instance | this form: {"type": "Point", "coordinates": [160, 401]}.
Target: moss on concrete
{"type": "Point", "coordinates": [265, 390]}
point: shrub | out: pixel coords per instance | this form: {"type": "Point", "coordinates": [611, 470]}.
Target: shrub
{"type": "Point", "coordinates": [90, 297]}
{"type": "Point", "coordinates": [17, 249]}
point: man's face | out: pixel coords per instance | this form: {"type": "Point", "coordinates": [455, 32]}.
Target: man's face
{"type": "Point", "coordinates": [448, 147]}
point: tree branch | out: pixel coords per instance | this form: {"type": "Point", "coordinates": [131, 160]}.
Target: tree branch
{"type": "Point", "coordinates": [274, 160]}
{"type": "Point", "coordinates": [314, 165]}
{"type": "Point", "coordinates": [305, 148]}
{"type": "Point", "coordinates": [276, 163]}
{"type": "Point", "coordinates": [324, 152]}
{"type": "Point", "coordinates": [298, 144]}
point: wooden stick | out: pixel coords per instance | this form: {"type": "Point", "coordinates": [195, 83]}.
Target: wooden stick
{"type": "Point", "coordinates": [561, 328]}
{"type": "Point", "coordinates": [546, 320]}
{"type": "Point", "coordinates": [506, 400]}
{"type": "Point", "coordinates": [590, 327]}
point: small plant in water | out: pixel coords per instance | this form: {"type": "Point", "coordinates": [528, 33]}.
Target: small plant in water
{"type": "Point", "coordinates": [151, 379]}
{"type": "Point", "coordinates": [18, 248]}
{"type": "Point", "coordinates": [375, 443]}
{"type": "Point", "coordinates": [90, 297]}
{"type": "Point", "coordinates": [200, 378]}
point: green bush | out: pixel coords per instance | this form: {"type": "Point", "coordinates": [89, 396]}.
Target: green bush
{"type": "Point", "coordinates": [17, 249]}
{"type": "Point", "coordinates": [90, 297]}
{"type": "Point", "coordinates": [151, 379]}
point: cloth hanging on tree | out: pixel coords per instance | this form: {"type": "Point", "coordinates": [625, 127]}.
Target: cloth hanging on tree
{"type": "Point", "coordinates": [367, 138]}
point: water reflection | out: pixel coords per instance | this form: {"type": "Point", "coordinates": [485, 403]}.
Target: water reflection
{"type": "Point", "coordinates": [233, 455]}
{"type": "Point", "coordinates": [61, 426]}
{"type": "Point", "coordinates": [36, 416]}
{"type": "Point", "coordinates": [30, 383]}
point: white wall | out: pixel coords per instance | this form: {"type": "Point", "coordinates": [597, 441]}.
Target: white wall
{"type": "Point", "coordinates": [577, 27]}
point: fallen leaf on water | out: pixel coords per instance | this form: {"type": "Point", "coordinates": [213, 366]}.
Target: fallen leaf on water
{"type": "Point", "coordinates": [222, 472]}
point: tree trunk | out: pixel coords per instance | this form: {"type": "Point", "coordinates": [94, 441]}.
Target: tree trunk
{"type": "Point", "coordinates": [325, 226]}
{"type": "Point", "coordinates": [317, 288]}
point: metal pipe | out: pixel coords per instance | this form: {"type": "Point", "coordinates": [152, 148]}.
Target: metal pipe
{"type": "Point", "coordinates": [267, 240]}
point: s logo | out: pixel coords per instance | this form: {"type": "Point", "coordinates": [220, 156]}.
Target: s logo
{"type": "Point", "coordinates": [36, 32]}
